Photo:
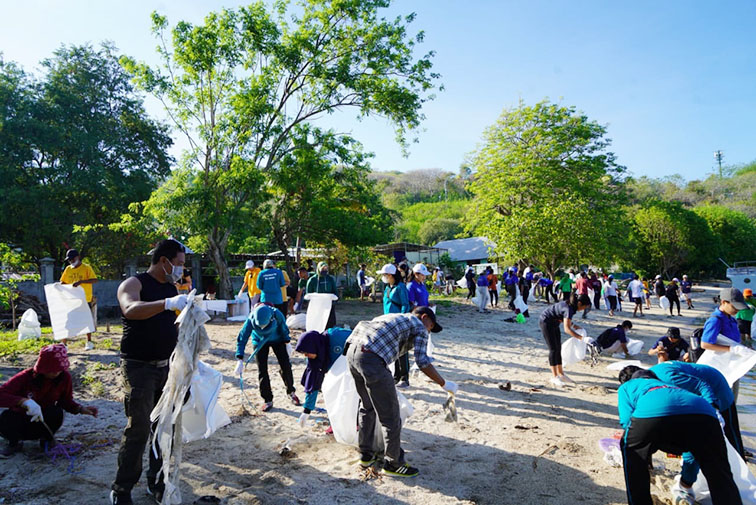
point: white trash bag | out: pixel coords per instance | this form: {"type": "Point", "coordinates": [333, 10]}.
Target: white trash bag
{"type": "Point", "coordinates": [343, 403]}
{"type": "Point", "coordinates": [574, 349]}
{"type": "Point", "coordinates": [202, 415]}
{"type": "Point", "coordinates": [742, 476]}
{"type": "Point", "coordinates": [520, 304]}
{"type": "Point", "coordinates": [664, 302]}
{"type": "Point", "coordinates": [70, 315]}
{"type": "Point", "coordinates": [733, 365]}
{"type": "Point", "coordinates": [29, 326]}
{"type": "Point", "coordinates": [297, 321]}
{"type": "Point", "coordinates": [633, 347]}
{"type": "Point", "coordinates": [318, 310]}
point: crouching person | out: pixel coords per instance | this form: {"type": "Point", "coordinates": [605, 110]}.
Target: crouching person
{"type": "Point", "coordinates": [372, 346]}
{"type": "Point", "coordinates": [659, 416]}
{"type": "Point", "coordinates": [36, 398]}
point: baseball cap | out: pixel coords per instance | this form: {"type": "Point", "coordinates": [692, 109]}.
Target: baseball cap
{"type": "Point", "coordinates": [657, 277]}
{"type": "Point", "coordinates": [250, 264]}
{"type": "Point", "coordinates": [673, 332]}
{"type": "Point", "coordinates": [734, 296]}
{"type": "Point", "coordinates": [419, 268]}
{"type": "Point", "coordinates": [419, 311]}
{"type": "Point", "coordinates": [388, 268]}
{"type": "Point", "coordinates": [675, 279]}
{"type": "Point", "coordinates": [71, 253]}
{"type": "Point", "coordinates": [748, 292]}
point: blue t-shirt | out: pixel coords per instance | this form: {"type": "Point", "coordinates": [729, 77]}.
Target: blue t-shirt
{"type": "Point", "coordinates": [674, 350]}
{"type": "Point", "coordinates": [558, 313]}
{"type": "Point", "coordinates": [646, 398]}
{"type": "Point", "coordinates": [545, 282]}
{"type": "Point", "coordinates": [686, 286]}
{"type": "Point", "coordinates": [396, 299]}
{"type": "Point", "coordinates": [361, 280]}
{"type": "Point", "coordinates": [610, 336]}
{"type": "Point", "coordinates": [418, 294]}
{"type": "Point", "coordinates": [719, 322]}
{"type": "Point", "coordinates": [270, 281]}
{"type": "Point", "coordinates": [483, 280]}
{"type": "Point", "coordinates": [703, 380]}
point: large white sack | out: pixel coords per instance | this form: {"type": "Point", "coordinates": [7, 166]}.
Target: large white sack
{"type": "Point", "coordinates": [462, 283]}
{"type": "Point", "coordinates": [201, 415]}
{"type": "Point", "coordinates": [633, 347]}
{"type": "Point", "coordinates": [574, 349]}
{"type": "Point", "coordinates": [733, 366]}
{"type": "Point", "coordinates": [742, 476]}
{"type": "Point", "coordinates": [297, 321]}
{"type": "Point", "coordinates": [664, 302]}
{"type": "Point", "coordinates": [482, 298]}
{"type": "Point", "coordinates": [29, 326]}
{"type": "Point", "coordinates": [318, 310]}
{"type": "Point", "coordinates": [70, 315]}
{"type": "Point", "coordinates": [343, 403]}
{"type": "Point", "coordinates": [520, 304]}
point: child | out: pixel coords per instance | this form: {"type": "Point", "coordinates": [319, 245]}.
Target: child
{"type": "Point", "coordinates": [36, 398]}
{"type": "Point", "coordinates": [321, 350]}
{"type": "Point", "coordinates": [670, 347]}
{"type": "Point", "coordinates": [745, 316]}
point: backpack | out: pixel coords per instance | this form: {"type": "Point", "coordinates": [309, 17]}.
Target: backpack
{"type": "Point", "coordinates": [695, 351]}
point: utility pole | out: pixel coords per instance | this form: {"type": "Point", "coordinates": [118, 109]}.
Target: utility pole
{"type": "Point", "coordinates": [718, 156]}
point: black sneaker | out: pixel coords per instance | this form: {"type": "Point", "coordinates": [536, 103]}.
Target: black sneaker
{"type": "Point", "coordinates": [120, 499]}
{"type": "Point", "coordinates": [367, 459]}
{"type": "Point", "coordinates": [10, 449]}
{"type": "Point", "coordinates": [399, 470]}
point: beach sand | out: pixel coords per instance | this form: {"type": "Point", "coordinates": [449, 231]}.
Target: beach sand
{"type": "Point", "coordinates": [533, 444]}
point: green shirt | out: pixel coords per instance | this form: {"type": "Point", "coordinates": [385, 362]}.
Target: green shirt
{"type": "Point", "coordinates": [747, 314]}
{"type": "Point", "coordinates": [565, 284]}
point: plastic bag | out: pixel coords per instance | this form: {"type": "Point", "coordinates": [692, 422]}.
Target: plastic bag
{"type": "Point", "coordinates": [573, 350]}
{"type": "Point", "coordinates": [202, 415]}
{"type": "Point", "coordinates": [520, 319]}
{"type": "Point", "coordinates": [740, 474]}
{"type": "Point", "coordinates": [297, 321]}
{"type": "Point", "coordinates": [520, 304]}
{"type": "Point", "coordinates": [70, 315]}
{"type": "Point", "coordinates": [733, 366]}
{"type": "Point", "coordinates": [633, 347]}
{"type": "Point", "coordinates": [343, 403]}
{"type": "Point", "coordinates": [664, 302]}
{"type": "Point", "coordinates": [318, 310]}
{"type": "Point", "coordinates": [29, 326]}
{"type": "Point", "coordinates": [482, 298]}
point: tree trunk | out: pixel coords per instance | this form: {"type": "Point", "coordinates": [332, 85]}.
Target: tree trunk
{"type": "Point", "coordinates": [217, 242]}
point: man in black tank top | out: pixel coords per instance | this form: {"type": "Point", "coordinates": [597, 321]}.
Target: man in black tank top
{"type": "Point", "coordinates": [149, 303]}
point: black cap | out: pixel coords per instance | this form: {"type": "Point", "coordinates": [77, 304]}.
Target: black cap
{"type": "Point", "coordinates": [71, 254]}
{"type": "Point", "coordinates": [419, 311]}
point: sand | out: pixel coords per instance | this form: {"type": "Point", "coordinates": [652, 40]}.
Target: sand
{"type": "Point", "coordinates": [532, 444]}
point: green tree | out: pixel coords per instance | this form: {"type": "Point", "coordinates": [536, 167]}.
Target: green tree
{"type": "Point", "coordinates": [239, 85]}
{"type": "Point", "coordinates": [78, 148]}
{"type": "Point", "coordinates": [437, 229]}
{"type": "Point", "coordinates": [546, 190]}
{"type": "Point", "coordinates": [15, 267]}
{"type": "Point", "coordinates": [669, 238]}
{"type": "Point", "coordinates": [734, 235]}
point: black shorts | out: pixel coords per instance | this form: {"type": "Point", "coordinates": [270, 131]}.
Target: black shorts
{"type": "Point", "coordinates": [744, 327]}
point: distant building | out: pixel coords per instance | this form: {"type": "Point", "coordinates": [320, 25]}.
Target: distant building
{"type": "Point", "coordinates": [468, 250]}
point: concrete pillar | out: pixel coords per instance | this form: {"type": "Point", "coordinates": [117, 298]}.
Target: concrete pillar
{"type": "Point", "coordinates": [46, 266]}
{"type": "Point", "coordinates": [131, 267]}
{"type": "Point", "coordinates": [197, 272]}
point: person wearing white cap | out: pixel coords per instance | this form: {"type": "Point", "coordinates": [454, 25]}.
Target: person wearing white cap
{"type": "Point", "coordinates": [396, 301]}
{"type": "Point", "coordinates": [250, 283]}
{"type": "Point", "coordinates": [687, 287]}
{"type": "Point", "coordinates": [418, 293]}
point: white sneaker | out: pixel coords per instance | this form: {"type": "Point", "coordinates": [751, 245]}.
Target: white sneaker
{"type": "Point", "coordinates": [556, 381]}
{"type": "Point", "coordinates": [680, 494]}
{"type": "Point", "coordinates": [566, 379]}
{"type": "Point", "coordinates": [89, 345]}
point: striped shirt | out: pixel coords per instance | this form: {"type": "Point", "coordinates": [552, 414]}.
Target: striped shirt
{"type": "Point", "coordinates": [391, 335]}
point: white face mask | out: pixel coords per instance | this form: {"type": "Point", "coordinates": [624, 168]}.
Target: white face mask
{"type": "Point", "coordinates": [385, 278]}
{"type": "Point", "coordinates": [175, 274]}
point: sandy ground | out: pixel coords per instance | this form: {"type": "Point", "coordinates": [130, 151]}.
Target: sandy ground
{"type": "Point", "coordinates": [534, 444]}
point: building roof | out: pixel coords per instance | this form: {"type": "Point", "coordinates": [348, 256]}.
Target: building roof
{"type": "Point", "coordinates": [468, 249]}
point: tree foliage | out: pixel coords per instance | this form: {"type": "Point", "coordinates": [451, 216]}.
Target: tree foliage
{"type": "Point", "coordinates": [734, 235]}
{"type": "Point", "coordinates": [243, 83]}
{"type": "Point", "coordinates": [545, 188]}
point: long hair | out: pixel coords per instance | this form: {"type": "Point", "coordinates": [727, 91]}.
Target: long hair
{"type": "Point", "coordinates": [579, 299]}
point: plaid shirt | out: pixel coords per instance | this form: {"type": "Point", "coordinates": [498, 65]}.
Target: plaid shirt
{"type": "Point", "coordinates": [391, 335]}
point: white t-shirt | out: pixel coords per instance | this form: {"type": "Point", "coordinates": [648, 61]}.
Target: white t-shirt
{"type": "Point", "coordinates": [610, 288]}
{"type": "Point", "coordinates": [636, 288]}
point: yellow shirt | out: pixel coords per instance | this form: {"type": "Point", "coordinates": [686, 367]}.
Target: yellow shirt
{"type": "Point", "coordinates": [283, 288]}
{"type": "Point", "coordinates": [250, 278]}
{"type": "Point", "coordinates": [81, 273]}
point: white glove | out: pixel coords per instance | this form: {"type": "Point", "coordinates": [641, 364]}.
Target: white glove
{"type": "Point", "coordinates": [33, 409]}
{"type": "Point", "coordinates": [177, 302]}
{"type": "Point", "coordinates": [740, 350]}
{"type": "Point", "coordinates": [239, 367]}
{"type": "Point", "coordinates": [589, 340]}
{"type": "Point", "coordinates": [289, 349]}
{"type": "Point", "coordinates": [450, 387]}
{"type": "Point", "coordinates": [303, 420]}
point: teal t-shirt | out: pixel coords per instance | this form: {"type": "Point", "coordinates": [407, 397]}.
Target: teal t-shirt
{"type": "Point", "coordinates": [270, 281]}
{"type": "Point", "coordinates": [646, 398]}
{"type": "Point", "coordinates": [396, 299]}
{"type": "Point", "coordinates": [703, 380]}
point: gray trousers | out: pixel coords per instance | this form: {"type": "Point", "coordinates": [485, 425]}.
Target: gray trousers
{"type": "Point", "coordinates": [376, 388]}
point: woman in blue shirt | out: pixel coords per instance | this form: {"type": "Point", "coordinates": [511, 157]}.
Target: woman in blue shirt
{"type": "Point", "coordinates": [658, 416]}
{"type": "Point", "coordinates": [396, 300]}
{"type": "Point", "coordinates": [418, 293]}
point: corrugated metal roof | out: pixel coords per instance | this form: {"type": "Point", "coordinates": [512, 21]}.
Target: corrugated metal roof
{"type": "Point", "coordinates": [468, 249]}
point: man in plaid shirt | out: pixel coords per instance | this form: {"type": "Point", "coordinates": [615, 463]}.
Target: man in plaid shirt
{"type": "Point", "coordinates": [372, 346]}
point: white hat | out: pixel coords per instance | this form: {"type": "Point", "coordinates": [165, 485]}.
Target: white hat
{"type": "Point", "coordinates": [250, 264]}
{"type": "Point", "coordinates": [388, 268]}
{"type": "Point", "coordinates": [419, 268]}
{"type": "Point", "coordinates": [268, 264]}
{"type": "Point", "coordinates": [685, 276]}
{"type": "Point", "coordinates": [675, 280]}
{"type": "Point", "coordinates": [657, 277]}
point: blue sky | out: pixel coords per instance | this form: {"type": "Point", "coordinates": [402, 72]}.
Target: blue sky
{"type": "Point", "coordinates": [674, 81]}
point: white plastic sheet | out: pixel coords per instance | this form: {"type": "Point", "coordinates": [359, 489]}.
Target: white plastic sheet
{"type": "Point", "coordinates": [574, 349]}
{"type": "Point", "coordinates": [29, 326]}
{"type": "Point", "coordinates": [742, 476]}
{"type": "Point", "coordinates": [297, 321]}
{"type": "Point", "coordinates": [318, 310]}
{"type": "Point", "coordinates": [733, 366]}
{"type": "Point", "coordinates": [70, 315]}
{"type": "Point", "coordinates": [202, 415]}
{"type": "Point", "coordinates": [664, 302]}
{"type": "Point", "coordinates": [342, 403]}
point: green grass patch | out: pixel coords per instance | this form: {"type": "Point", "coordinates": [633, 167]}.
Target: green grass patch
{"type": "Point", "coordinates": [88, 380]}
{"type": "Point", "coordinates": [11, 347]}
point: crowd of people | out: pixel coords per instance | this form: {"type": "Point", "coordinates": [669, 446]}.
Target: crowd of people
{"type": "Point", "coordinates": [675, 406]}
